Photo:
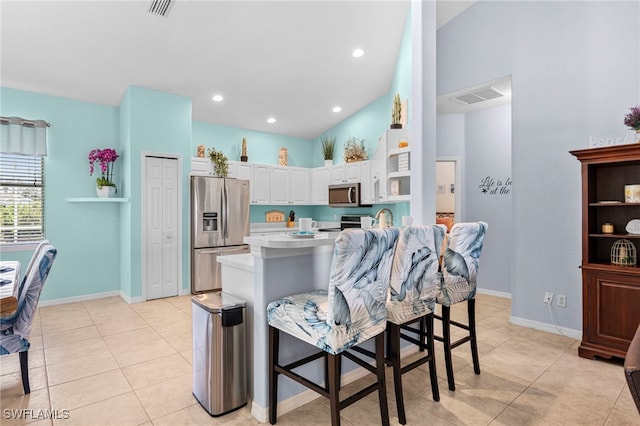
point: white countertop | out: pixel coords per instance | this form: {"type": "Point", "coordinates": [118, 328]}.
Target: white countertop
{"type": "Point", "coordinates": [275, 227]}
{"type": "Point", "coordinates": [286, 241]}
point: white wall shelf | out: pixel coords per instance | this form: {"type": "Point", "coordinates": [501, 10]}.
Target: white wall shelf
{"type": "Point", "coordinates": [393, 175]}
{"type": "Point", "coordinates": [96, 200]}
{"type": "Point", "coordinates": [398, 198]}
{"type": "Point", "coordinates": [398, 151]}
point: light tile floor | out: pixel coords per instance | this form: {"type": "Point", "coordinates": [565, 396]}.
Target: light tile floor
{"type": "Point", "coordinates": [110, 363]}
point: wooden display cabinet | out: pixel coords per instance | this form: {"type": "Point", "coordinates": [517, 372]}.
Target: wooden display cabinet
{"type": "Point", "coordinates": [610, 293]}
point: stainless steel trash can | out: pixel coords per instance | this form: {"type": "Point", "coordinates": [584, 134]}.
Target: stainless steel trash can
{"type": "Point", "coordinates": [219, 352]}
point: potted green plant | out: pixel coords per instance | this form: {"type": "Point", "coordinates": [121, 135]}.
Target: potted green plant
{"type": "Point", "coordinates": [219, 162]}
{"type": "Point", "coordinates": [105, 186]}
{"type": "Point", "coordinates": [396, 113]}
{"type": "Point", "coordinates": [354, 150]}
{"type": "Point", "coordinates": [328, 146]}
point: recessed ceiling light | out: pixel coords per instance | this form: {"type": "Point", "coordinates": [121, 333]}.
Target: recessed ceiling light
{"type": "Point", "coordinates": [337, 109]}
{"type": "Point", "coordinates": [271, 120]}
{"type": "Point", "coordinates": [217, 98]}
{"type": "Point", "coordinates": [357, 53]}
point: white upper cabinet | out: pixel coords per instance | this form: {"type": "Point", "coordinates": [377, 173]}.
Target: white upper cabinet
{"type": "Point", "coordinates": [299, 185]}
{"type": "Point", "coordinates": [261, 184]}
{"type": "Point", "coordinates": [244, 171]}
{"type": "Point", "coordinates": [345, 173]}
{"type": "Point", "coordinates": [320, 181]}
{"type": "Point", "coordinates": [200, 166]}
{"type": "Point", "coordinates": [259, 187]}
{"type": "Point", "coordinates": [282, 185]}
{"type": "Point", "coordinates": [366, 183]}
{"type": "Point", "coordinates": [290, 185]}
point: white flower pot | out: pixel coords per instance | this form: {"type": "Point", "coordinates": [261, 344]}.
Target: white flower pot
{"type": "Point", "coordinates": [328, 163]}
{"type": "Point", "coordinates": [106, 191]}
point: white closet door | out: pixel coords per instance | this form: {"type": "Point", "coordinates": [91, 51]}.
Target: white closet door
{"type": "Point", "coordinates": [161, 222]}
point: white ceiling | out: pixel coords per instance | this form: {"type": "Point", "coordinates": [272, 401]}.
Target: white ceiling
{"type": "Point", "coordinates": [290, 60]}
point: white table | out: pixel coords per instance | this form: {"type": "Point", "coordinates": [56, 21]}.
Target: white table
{"type": "Point", "coordinates": [9, 285]}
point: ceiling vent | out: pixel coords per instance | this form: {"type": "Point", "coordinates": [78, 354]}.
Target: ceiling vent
{"type": "Point", "coordinates": [478, 96]}
{"type": "Point", "coordinates": [160, 7]}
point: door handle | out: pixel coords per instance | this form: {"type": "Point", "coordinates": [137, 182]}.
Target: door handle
{"type": "Point", "coordinates": [349, 195]}
{"type": "Point", "coordinates": [226, 214]}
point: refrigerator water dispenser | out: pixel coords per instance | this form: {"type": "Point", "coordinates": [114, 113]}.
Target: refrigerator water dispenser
{"type": "Point", "coordinates": [210, 222]}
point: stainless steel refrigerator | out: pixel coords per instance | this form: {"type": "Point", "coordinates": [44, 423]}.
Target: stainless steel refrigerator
{"type": "Point", "coordinates": [219, 223]}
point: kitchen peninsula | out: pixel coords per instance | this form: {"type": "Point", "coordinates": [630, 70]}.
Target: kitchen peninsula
{"type": "Point", "coordinates": [278, 265]}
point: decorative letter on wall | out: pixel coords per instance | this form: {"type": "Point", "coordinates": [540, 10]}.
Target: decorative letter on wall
{"type": "Point", "coordinates": [491, 186]}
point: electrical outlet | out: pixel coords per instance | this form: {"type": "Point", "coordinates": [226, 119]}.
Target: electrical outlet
{"type": "Point", "coordinates": [548, 297]}
{"type": "Point", "coordinates": [562, 300]}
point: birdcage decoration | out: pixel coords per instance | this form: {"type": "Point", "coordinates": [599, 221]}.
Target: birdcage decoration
{"type": "Point", "coordinates": [623, 252]}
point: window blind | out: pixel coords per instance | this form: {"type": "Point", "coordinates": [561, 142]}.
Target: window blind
{"type": "Point", "coordinates": [21, 199]}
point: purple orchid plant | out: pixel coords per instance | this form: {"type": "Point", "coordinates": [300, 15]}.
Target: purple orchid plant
{"type": "Point", "coordinates": [105, 157]}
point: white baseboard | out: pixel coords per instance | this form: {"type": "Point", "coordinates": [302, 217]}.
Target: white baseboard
{"type": "Point", "coordinates": [82, 298]}
{"type": "Point", "coordinates": [93, 296]}
{"type": "Point", "coordinates": [549, 328]}
{"type": "Point", "coordinates": [502, 294]}
{"type": "Point", "coordinates": [131, 300]}
{"type": "Point", "coordinates": [262, 413]}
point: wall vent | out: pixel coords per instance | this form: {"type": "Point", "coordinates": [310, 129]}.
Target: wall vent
{"type": "Point", "coordinates": [160, 7]}
{"type": "Point", "coordinates": [478, 96]}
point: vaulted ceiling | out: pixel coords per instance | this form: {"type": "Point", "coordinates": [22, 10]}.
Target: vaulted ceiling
{"type": "Point", "coordinates": [290, 60]}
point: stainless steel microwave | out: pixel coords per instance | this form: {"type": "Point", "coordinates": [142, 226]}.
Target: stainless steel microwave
{"type": "Point", "coordinates": [345, 195]}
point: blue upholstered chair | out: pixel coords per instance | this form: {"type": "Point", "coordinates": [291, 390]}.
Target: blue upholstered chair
{"type": "Point", "coordinates": [459, 275]}
{"type": "Point", "coordinates": [16, 328]}
{"type": "Point", "coordinates": [32, 262]}
{"type": "Point", "coordinates": [351, 312]}
{"type": "Point", "coordinates": [415, 282]}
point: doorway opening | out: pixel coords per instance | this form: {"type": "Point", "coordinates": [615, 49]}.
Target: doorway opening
{"type": "Point", "coordinates": [448, 191]}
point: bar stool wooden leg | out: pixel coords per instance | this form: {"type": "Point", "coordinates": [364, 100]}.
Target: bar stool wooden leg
{"type": "Point", "coordinates": [382, 388]}
{"type": "Point", "coordinates": [274, 343]}
{"type": "Point", "coordinates": [446, 340]}
{"type": "Point", "coordinates": [428, 323]}
{"type": "Point", "coordinates": [334, 388]}
{"type": "Point", "coordinates": [471, 309]}
{"type": "Point", "coordinates": [393, 340]}
{"type": "Point", "coordinates": [24, 370]}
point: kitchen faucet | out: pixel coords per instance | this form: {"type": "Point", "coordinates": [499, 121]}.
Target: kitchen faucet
{"type": "Point", "coordinates": [390, 220]}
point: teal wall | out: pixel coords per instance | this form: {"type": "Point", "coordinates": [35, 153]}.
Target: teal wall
{"type": "Point", "coordinates": [261, 147]}
{"type": "Point", "coordinates": [158, 123]}
{"type": "Point", "coordinates": [87, 235]}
